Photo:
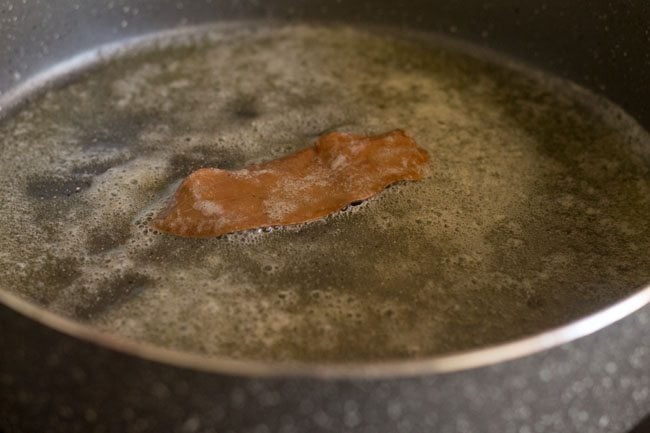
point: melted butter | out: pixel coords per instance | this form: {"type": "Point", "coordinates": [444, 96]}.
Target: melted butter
{"type": "Point", "coordinates": [534, 215]}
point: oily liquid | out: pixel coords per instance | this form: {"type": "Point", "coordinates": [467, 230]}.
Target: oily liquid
{"type": "Point", "coordinates": [535, 212]}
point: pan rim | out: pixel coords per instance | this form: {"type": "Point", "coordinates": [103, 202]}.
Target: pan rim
{"type": "Point", "coordinates": [440, 364]}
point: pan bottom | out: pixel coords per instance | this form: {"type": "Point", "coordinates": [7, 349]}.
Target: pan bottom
{"type": "Point", "coordinates": [535, 213]}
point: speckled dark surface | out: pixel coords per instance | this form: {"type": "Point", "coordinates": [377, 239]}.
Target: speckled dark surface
{"type": "Point", "coordinates": [599, 383]}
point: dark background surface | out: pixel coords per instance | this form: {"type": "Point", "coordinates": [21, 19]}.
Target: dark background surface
{"type": "Point", "coordinates": [642, 427]}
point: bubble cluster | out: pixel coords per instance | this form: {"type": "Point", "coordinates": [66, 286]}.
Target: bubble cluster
{"type": "Point", "coordinates": [534, 213]}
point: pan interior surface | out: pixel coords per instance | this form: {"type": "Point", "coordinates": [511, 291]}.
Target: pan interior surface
{"type": "Point", "coordinates": [535, 213]}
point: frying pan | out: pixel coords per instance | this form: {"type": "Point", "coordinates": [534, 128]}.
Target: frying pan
{"type": "Point", "coordinates": [591, 375]}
